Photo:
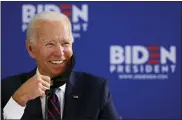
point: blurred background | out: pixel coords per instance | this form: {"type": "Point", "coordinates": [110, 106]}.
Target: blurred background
{"type": "Point", "coordinates": [135, 45]}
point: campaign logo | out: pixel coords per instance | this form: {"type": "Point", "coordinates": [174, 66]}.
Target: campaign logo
{"type": "Point", "coordinates": [78, 15]}
{"type": "Point", "coordinates": [139, 62]}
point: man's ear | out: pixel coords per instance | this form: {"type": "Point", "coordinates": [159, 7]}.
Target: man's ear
{"type": "Point", "coordinates": [29, 49]}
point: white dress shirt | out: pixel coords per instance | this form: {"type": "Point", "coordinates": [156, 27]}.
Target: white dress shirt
{"type": "Point", "coordinates": [13, 110]}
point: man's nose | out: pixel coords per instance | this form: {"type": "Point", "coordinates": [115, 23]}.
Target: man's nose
{"type": "Point", "coordinates": [59, 50]}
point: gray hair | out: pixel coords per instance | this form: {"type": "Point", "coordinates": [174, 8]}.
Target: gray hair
{"type": "Point", "coordinates": [49, 16]}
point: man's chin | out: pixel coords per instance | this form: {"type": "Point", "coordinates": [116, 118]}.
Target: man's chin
{"type": "Point", "coordinates": [56, 73]}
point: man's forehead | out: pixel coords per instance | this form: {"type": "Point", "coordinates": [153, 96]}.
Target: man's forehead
{"type": "Point", "coordinates": [45, 24]}
{"type": "Point", "coordinates": [53, 30]}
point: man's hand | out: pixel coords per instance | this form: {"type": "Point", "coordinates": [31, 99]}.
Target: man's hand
{"type": "Point", "coordinates": [32, 88]}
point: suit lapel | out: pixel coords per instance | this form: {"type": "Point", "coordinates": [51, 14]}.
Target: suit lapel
{"type": "Point", "coordinates": [72, 97]}
{"type": "Point", "coordinates": [33, 109]}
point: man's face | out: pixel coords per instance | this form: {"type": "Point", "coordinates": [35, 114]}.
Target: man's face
{"type": "Point", "coordinates": [53, 47]}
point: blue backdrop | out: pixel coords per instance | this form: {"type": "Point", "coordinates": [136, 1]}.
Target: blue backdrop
{"type": "Point", "coordinates": [100, 26]}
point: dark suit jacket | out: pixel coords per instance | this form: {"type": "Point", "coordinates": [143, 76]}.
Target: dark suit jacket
{"type": "Point", "coordinates": [94, 99]}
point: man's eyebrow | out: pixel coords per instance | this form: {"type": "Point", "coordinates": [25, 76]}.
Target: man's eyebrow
{"type": "Point", "coordinates": [65, 40]}
{"type": "Point", "coordinates": [51, 40]}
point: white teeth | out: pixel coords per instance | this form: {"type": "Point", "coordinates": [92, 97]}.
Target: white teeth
{"type": "Point", "coordinates": [56, 62]}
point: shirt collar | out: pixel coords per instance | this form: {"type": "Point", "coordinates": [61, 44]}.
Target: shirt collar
{"type": "Point", "coordinates": [62, 88]}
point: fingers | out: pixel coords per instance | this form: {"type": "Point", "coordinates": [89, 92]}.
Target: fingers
{"type": "Point", "coordinates": [41, 92]}
{"type": "Point", "coordinates": [44, 88]}
{"type": "Point", "coordinates": [45, 84]}
{"type": "Point", "coordinates": [46, 78]}
{"type": "Point", "coordinates": [41, 89]}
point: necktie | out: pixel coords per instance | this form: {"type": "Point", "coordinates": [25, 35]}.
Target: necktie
{"type": "Point", "coordinates": [54, 112]}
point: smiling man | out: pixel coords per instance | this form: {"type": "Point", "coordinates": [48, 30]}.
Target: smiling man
{"type": "Point", "coordinates": [53, 46]}
{"type": "Point", "coordinates": [73, 95]}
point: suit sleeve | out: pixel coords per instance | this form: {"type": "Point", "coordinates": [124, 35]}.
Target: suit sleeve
{"type": "Point", "coordinates": [108, 110]}
{"type": "Point", "coordinates": [9, 108]}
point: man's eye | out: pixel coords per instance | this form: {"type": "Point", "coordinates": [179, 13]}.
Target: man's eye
{"type": "Point", "coordinates": [66, 44]}
{"type": "Point", "coordinates": [49, 44]}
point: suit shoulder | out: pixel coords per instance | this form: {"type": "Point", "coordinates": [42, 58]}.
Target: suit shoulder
{"type": "Point", "coordinates": [91, 77]}
{"type": "Point", "coordinates": [13, 78]}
